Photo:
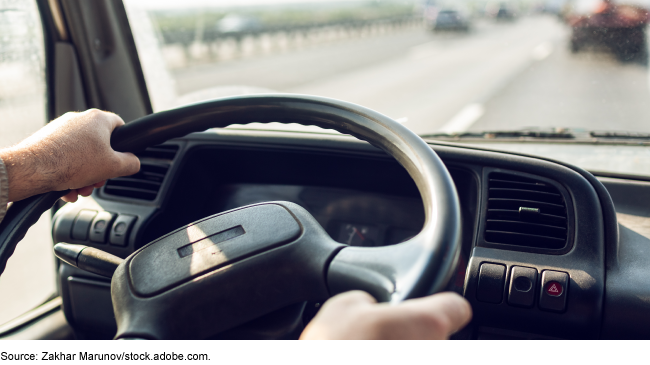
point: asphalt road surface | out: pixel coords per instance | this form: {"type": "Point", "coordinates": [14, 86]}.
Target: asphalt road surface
{"type": "Point", "coordinates": [499, 76]}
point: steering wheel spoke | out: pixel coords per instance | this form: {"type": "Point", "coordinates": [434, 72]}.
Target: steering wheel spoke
{"type": "Point", "coordinates": [391, 273]}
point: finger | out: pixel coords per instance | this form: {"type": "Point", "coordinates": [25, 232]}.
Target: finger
{"type": "Point", "coordinates": [85, 191]}
{"type": "Point", "coordinates": [70, 197]}
{"type": "Point", "coordinates": [128, 164]}
{"type": "Point", "coordinates": [337, 315]}
{"type": "Point", "coordinates": [99, 184]}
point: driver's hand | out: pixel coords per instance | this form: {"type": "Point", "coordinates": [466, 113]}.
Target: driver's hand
{"type": "Point", "coordinates": [356, 315]}
{"type": "Point", "coordinates": [72, 152]}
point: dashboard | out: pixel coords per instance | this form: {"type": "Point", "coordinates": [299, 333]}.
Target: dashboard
{"type": "Point", "coordinates": [536, 234]}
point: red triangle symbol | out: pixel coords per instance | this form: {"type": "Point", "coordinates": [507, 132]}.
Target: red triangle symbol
{"type": "Point", "coordinates": [553, 289]}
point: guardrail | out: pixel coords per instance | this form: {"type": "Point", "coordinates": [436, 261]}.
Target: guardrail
{"type": "Point", "coordinates": [207, 44]}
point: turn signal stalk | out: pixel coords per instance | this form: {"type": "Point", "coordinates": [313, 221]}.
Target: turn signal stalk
{"type": "Point", "coordinates": [88, 258]}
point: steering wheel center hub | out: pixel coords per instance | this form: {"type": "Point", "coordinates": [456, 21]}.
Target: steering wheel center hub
{"type": "Point", "coordinates": [210, 244]}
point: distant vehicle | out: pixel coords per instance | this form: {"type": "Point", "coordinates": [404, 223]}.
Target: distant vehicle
{"type": "Point", "coordinates": [453, 20]}
{"type": "Point", "coordinates": [618, 26]}
{"type": "Point", "coordinates": [501, 11]}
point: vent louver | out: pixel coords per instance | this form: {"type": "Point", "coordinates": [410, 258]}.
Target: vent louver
{"type": "Point", "coordinates": [525, 212]}
{"type": "Point", "coordinates": [145, 185]}
{"type": "Point", "coordinates": [161, 152]}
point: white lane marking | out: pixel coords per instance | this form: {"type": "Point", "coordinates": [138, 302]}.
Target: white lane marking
{"type": "Point", "coordinates": [402, 120]}
{"type": "Point", "coordinates": [464, 119]}
{"type": "Point", "coordinates": [542, 51]}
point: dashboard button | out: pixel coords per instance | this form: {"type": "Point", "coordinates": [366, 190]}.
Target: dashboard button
{"type": "Point", "coordinates": [491, 280]}
{"type": "Point", "coordinates": [554, 291]}
{"type": "Point", "coordinates": [121, 228]}
{"type": "Point", "coordinates": [100, 226]}
{"type": "Point", "coordinates": [522, 286]}
{"type": "Point", "coordinates": [82, 224]}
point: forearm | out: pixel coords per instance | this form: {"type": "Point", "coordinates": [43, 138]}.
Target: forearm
{"type": "Point", "coordinates": [25, 173]}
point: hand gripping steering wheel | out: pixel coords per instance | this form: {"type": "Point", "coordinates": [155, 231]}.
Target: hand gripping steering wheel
{"type": "Point", "coordinates": [232, 267]}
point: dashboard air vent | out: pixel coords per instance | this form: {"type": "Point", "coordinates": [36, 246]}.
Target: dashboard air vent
{"type": "Point", "coordinates": [161, 152]}
{"type": "Point", "coordinates": [525, 212]}
{"type": "Point", "coordinates": [145, 185]}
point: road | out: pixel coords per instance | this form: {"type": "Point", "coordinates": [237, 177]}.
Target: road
{"type": "Point", "coordinates": [499, 76]}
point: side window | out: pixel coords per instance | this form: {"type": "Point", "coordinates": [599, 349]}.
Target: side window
{"type": "Point", "coordinates": [28, 279]}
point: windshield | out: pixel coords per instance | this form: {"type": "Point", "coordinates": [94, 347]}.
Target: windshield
{"type": "Point", "coordinates": [438, 67]}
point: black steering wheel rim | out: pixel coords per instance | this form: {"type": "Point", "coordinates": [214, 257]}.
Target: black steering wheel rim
{"type": "Point", "coordinates": [417, 267]}
{"type": "Point", "coordinates": [436, 187]}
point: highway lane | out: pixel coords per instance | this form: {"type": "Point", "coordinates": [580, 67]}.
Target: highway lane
{"type": "Point", "coordinates": [431, 84]}
{"type": "Point", "coordinates": [503, 76]}
{"type": "Point", "coordinates": [590, 90]}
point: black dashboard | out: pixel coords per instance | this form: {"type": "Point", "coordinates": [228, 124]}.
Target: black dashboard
{"type": "Point", "coordinates": [535, 233]}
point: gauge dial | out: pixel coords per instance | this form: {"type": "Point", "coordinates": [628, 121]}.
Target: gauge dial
{"type": "Point", "coordinates": [358, 235]}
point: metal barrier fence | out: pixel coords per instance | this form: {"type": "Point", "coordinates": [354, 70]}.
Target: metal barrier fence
{"type": "Point", "coordinates": [204, 44]}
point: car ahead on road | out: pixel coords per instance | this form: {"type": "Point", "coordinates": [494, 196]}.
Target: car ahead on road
{"type": "Point", "coordinates": [250, 211]}
{"type": "Point", "coordinates": [501, 11]}
{"type": "Point", "coordinates": [450, 20]}
{"type": "Point", "coordinates": [615, 25]}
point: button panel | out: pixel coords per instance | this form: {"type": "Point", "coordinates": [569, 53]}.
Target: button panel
{"type": "Point", "coordinates": [554, 290]}
{"type": "Point", "coordinates": [121, 228]}
{"type": "Point", "coordinates": [491, 281]}
{"type": "Point", "coordinates": [101, 226]}
{"type": "Point", "coordinates": [523, 281]}
{"type": "Point", "coordinates": [82, 223]}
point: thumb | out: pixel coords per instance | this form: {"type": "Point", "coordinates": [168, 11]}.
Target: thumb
{"type": "Point", "coordinates": [449, 308]}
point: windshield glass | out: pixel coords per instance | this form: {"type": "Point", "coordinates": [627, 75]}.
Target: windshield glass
{"type": "Point", "coordinates": [438, 67]}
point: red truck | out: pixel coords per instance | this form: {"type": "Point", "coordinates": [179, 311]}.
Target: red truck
{"type": "Point", "coordinates": [618, 26]}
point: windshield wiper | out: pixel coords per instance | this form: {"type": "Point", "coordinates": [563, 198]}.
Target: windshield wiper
{"type": "Point", "coordinates": [558, 135]}
{"type": "Point", "coordinates": [621, 135]}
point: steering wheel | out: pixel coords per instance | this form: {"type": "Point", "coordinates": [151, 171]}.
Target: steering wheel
{"type": "Point", "coordinates": [227, 269]}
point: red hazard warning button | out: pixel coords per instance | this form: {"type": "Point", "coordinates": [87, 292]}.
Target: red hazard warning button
{"type": "Point", "coordinates": [553, 288]}
{"type": "Point", "coordinates": [554, 291]}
